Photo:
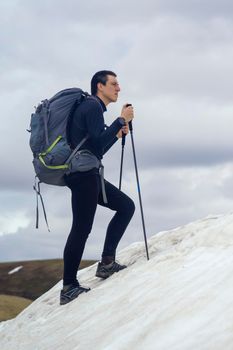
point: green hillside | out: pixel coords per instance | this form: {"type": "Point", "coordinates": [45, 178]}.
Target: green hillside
{"type": "Point", "coordinates": [11, 306]}
{"type": "Point", "coordinates": [28, 283]}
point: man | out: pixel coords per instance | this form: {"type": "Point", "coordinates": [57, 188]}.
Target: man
{"type": "Point", "coordinates": [86, 186]}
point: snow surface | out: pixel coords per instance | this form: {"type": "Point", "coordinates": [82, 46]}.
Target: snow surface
{"type": "Point", "coordinates": [181, 299]}
{"type": "Point", "coordinates": [15, 270]}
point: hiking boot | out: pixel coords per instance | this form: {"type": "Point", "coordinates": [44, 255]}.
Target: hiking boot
{"type": "Point", "coordinates": [71, 292]}
{"type": "Point", "coordinates": [104, 271]}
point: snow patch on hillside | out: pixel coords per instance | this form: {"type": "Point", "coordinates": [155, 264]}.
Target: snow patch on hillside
{"type": "Point", "coordinates": [16, 269]}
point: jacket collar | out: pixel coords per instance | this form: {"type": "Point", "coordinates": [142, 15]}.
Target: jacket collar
{"type": "Point", "coordinates": [102, 103]}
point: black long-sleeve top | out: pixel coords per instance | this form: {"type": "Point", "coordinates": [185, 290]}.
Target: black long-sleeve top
{"type": "Point", "coordinates": [88, 119]}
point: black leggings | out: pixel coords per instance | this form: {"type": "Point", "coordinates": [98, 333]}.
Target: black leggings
{"type": "Point", "coordinates": [86, 194]}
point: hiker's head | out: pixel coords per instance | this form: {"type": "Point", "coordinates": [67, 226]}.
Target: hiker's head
{"type": "Point", "coordinates": [104, 84]}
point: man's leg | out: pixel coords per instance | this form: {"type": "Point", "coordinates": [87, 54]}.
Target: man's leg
{"type": "Point", "coordinates": [85, 189]}
{"type": "Point", "coordinates": [124, 207]}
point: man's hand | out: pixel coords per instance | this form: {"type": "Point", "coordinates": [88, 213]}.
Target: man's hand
{"type": "Point", "coordinates": [127, 113]}
{"type": "Point", "coordinates": [124, 130]}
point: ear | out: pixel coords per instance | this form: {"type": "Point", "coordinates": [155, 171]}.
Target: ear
{"type": "Point", "coordinates": [99, 87]}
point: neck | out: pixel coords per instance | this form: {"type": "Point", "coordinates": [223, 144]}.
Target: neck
{"type": "Point", "coordinates": [103, 98]}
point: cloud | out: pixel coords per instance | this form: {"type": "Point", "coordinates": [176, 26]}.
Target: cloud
{"type": "Point", "coordinates": [182, 57]}
{"type": "Point", "coordinates": [174, 63]}
{"type": "Point", "coordinates": [12, 223]}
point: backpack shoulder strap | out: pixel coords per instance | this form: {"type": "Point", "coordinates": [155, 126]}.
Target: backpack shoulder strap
{"type": "Point", "coordinates": [83, 97]}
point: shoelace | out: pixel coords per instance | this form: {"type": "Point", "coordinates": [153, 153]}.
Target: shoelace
{"type": "Point", "coordinates": [115, 267]}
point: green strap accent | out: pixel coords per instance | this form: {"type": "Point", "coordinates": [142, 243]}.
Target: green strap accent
{"type": "Point", "coordinates": [54, 167]}
{"type": "Point", "coordinates": [65, 166]}
{"type": "Point", "coordinates": [51, 147]}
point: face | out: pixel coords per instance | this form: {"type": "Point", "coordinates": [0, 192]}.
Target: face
{"type": "Point", "coordinates": [109, 91]}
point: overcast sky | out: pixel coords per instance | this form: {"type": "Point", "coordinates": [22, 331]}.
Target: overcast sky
{"type": "Point", "coordinates": [174, 64]}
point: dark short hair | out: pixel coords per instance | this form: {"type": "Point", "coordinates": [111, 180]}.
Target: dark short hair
{"type": "Point", "coordinates": [100, 77]}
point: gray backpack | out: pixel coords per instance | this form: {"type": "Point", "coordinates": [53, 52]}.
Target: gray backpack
{"type": "Point", "coordinates": [49, 140]}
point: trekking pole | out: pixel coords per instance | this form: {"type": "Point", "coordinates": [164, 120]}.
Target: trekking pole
{"type": "Point", "coordinates": [138, 185]}
{"type": "Point", "coordinates": [122, 157]}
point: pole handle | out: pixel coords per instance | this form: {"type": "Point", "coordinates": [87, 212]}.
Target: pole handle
{"type": "Point", "coordinates": [124, 135]}
{"type": "Point", "coordinates": [123, 140]}
{"type": "Point", "coordinates": [130, 126]}
{"type": "Point", "coordinates": [130, 123]}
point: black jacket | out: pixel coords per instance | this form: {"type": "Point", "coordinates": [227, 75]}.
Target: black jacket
{"type": "Point", "coordinates": [88, 119]}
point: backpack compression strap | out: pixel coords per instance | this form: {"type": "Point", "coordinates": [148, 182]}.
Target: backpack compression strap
{"type": "Point", "coordinates": [77, 148]}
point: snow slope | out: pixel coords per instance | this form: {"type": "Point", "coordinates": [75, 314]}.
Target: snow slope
{"type": "Point", "coordinates": [182, 299]}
